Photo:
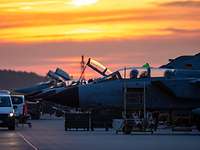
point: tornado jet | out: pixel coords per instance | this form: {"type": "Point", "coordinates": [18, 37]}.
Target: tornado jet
{"type": "Point", "coordinates": [173, 88]}
{"type": "Point", "coordinates": [56, 82]}
{"type": "Point", "coordinates": [164, 87]}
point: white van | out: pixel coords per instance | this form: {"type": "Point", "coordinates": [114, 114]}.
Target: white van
{"type": "Point", "coordinates": [7, 117]}
{"type": "Point", "coordinates": [18, 102]}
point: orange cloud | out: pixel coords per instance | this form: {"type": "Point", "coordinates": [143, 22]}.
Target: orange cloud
{"type": "Point", "coordinates": [89, 25]}
{"type": "Point", "coordinates": [185, 3]}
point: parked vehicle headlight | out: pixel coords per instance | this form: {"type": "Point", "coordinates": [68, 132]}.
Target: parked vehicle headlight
{"type": "Point", "coordinates": [11, 114]}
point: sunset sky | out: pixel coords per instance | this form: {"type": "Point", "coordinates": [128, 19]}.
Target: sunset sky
{"type": "Point", "coordinates": [40, 35]}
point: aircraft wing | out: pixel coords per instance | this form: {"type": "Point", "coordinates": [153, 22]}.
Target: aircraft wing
{"type": "Point", "coordinates": [34, 89]}
{"type": "Point", "coordinates": [49, 92]}
{"type": "Point", "coordinates": [196, 82]}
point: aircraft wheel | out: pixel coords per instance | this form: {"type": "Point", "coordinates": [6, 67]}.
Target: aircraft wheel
{"type": "Point", "coordinates": [127, 129]}
{"type": "Point", "coordinates": [11, 127]}
{"type": "Point", "coordinates": [198, 127]}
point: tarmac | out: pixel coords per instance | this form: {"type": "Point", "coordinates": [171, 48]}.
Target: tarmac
{"type": "Point", "coordinates": [49, 134]}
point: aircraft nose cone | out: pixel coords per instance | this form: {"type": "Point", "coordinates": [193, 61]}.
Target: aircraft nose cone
{"type": "Point", "coordinates": [68, 97]}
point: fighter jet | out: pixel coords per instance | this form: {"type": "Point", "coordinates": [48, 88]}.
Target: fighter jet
{"type": "Point", "coordinates": [56, 81]}
{"type": "Point", "coordinates": [165, 88]}
{"type": "Point", "coordinates": [173, 88]}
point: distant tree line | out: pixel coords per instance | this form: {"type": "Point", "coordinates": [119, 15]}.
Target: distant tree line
{"type": "Point", "coordinates": [10, 79]}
